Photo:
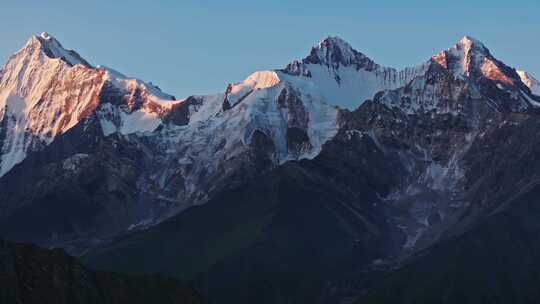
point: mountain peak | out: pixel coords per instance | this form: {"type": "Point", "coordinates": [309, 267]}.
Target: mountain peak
{"type": "Point", "coordinates": [52, 48]}
{"type": "Point", "coordinates": [334, 52]}
{"type": "Point", "coordinates": [469, 45]}
{"type": "Point", "coordinates": [334, 41]}
{"type": "Point", "coordinates": [468, 40]}
{"type": "Point", "coordinates": [468, 53]}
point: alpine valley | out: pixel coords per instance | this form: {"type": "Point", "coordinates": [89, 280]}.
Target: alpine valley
{"type": "Point", "coordinates": [331, 180]}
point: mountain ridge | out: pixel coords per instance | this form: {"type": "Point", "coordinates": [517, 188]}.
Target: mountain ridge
{"type": "Point", "coordinates": [389, 162]}
{"type": "Point", "coordinates": [294, 125]}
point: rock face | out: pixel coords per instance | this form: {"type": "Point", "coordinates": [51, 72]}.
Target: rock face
{"type": "Point", "coordinates": [34, 275]}
{"type": "Point", "coordinates": [270, 179]}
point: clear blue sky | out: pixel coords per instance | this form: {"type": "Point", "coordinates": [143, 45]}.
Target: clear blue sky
{"type": "Point", "coordinates": [197, 47]}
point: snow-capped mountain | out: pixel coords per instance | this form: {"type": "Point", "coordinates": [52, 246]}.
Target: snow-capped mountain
{"type": "Point", "coordinates": [417, 164]}
{"type": "Point", "coordinates": [141, 156]}
{"type": "Point", "coordinates": [434, 123]}
{"type": "Point", "coordinates": [467, 66]}
{"type": "Point", "coordinates": [182, 151]}
{"type": "Point", "coordinates": [45, 90]}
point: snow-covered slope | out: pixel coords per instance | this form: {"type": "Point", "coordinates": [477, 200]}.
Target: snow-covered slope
{"type": "Point", "coordinates": [131, 105]}
{"type": "Point", "coordinates": [260, 122]}
{"type": "Point", "coordinates": [342, 76]}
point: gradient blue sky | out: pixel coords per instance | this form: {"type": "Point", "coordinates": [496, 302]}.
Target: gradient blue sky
{"type": "Point", "coordinates": [197, 47]}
